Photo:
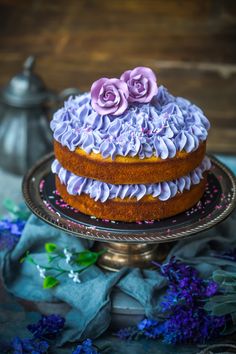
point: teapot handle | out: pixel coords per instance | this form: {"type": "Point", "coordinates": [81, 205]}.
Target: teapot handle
{"type": "Point", "coordinates": [70, 91]}
{"type": "Point", "coordinates": [56, 98]}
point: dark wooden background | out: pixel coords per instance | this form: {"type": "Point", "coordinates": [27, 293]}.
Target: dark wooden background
{"type": "Point", "coordinates": [190, 44]}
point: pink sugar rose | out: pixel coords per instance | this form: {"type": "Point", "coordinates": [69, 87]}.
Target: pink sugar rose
{"type": "Point", "coordinates": [141, 83]}
{"type": "Point", "coordinates": [109, 96]}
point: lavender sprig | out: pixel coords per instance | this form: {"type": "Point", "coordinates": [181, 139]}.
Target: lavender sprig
{"type": "Point", "coordinates": [11, 227]}
{"type": "Point", "coordinates": [44, 332]}
{"type": "Point", "coordinates": [28, 346]}
{"type": "Point", "coordinates": [86, 347]}
{"type": "Point", "coordinates": [10, 232]}
{"type": "Point", "coordinates": [47, 327]}
{"type": "Point", "coordinates": [185, 285]}
{"type": "Point", "coordinates": [186, 320]}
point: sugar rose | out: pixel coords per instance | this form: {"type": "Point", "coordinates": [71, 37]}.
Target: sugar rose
{"type": "Point", "coordinates": [141, 83]}
{"type": "Point", "coordinates": [109, 96]}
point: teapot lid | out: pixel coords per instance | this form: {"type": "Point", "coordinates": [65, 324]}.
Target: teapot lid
{"type": "Point", "coordinates": [25, 89]}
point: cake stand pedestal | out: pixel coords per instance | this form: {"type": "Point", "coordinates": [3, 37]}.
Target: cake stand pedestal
{"type": "Point", "coordinates": [139, 255]}
{"type": "Point", "coordinates": [130, 244]}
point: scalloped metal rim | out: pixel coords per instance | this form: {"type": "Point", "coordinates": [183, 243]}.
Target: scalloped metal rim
{"type": "Point", "coordinates": [30, 189]}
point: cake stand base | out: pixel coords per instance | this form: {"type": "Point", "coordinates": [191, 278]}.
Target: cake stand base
{"type": "Point", "coordinates": [139, 255]}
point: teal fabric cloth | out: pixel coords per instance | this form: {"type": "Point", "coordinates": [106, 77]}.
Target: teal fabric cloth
{"type": "Point", "coordinates": [201, 250]}
{"type": "Point", "coordinates": [89, 302]}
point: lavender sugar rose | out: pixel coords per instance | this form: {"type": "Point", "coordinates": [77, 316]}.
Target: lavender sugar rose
{"type": "Point", "coordinates": [141, 83]}
{"type": "Point", "coordinates": [109, 96]}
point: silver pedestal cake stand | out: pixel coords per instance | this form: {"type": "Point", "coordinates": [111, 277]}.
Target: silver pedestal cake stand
{"type": "Point", "coordinates": [129, 244]}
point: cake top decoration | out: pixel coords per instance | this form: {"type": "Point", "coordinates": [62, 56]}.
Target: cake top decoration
{"type": "Point", "coordinates": [130, 116]}
{"type": "Point", "coordinates": [142, 84]}
{"type": "Point", "coordinates": [111, 96]}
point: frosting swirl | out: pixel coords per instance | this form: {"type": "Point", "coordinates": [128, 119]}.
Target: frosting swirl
{"type": "Point", "coordinates": [102, 191]}
{"type": "Point", "coordinates": [161, 127]}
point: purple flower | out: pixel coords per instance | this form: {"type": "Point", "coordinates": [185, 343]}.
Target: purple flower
{"type": "Point", "coordinates": [85, 348]}
{"type": "Point", "coordinates": [47, 327]}
{"type": "Point", "coordinates": [126, 333]}
{"type": "Point", "coordinates": [30, 346]}
{"type": "Point", "coordinates": [184, 318]}
{"type": "Point", "coordinates": [10, 232]}
{"type": "Point", "coordinates": [109, 96]}
{"type": "Point", "coordinates": [141, 83]}
{"type": "Point", "coordinates": [191, 325]}
{"type": "Point", "coordinates": [150, 328]}
{"type": "Point", "coordinates": [211, 288]}
{"type": "Point", "coordinates": [146, 323]}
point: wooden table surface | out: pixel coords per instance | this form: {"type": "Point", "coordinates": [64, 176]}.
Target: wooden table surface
{"type": "Point", "coordinates": [191, 45]}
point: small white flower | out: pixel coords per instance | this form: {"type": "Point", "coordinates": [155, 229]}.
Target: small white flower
{"type": "Point", "coordinates": [42, 271]}
{"type": "Point", "coordinates": [74, 276]}
{"type": "Point", "coordinates": [68, 255]}
{"type": "Point", "coordinates": [71, 274]}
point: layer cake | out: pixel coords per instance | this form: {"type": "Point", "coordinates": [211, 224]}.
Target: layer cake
{"type": "Point", "coordinates": [128, 150]}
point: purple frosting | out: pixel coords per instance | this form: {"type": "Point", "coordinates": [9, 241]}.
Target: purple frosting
{"type": "Point", "coordinates": [160, 128]}
{"type": "Point", "coordinates": [102, 191]}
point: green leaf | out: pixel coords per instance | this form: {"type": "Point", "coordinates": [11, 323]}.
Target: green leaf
{"type": "Point", "coordinates": [50, 282]}
{"type": "Point", "coordinates": [50, 258]}
{"type": "Point", "coordinates": [50, 247]}
{"type": "Point", "coordinates": [24, 258]}
{"type": "Point", "coordinates": [19, 212]}
{"type": "Point", "coordinates": [10, 206]}
{"type": "Point", "coordinates": [221, 276]}
{"type": "Point", "coordinates": [86, 258]}
{"type": "Point", "coordinates": [30, 259]}
{"type": "Point", "coordinates": [221, 309]}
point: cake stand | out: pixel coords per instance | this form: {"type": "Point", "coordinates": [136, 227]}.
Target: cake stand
{"type": "Point", "coordinates": [130, 244]}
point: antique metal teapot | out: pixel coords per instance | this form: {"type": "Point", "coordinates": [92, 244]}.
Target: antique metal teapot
{"type": "Point", "coordinates": [25, 107]}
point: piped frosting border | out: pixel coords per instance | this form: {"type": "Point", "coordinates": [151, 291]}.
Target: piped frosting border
{"type": "Point", "coordinates": [102, 191]}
